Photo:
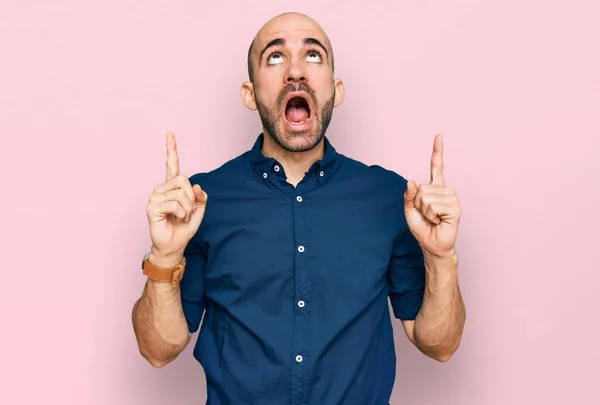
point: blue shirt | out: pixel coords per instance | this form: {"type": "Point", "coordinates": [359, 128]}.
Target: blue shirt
{"type": "Point", "coordinates": [293, 282]}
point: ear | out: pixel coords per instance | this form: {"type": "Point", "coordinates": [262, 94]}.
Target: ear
{"type": "Point", "coordinates": [339, 92]}
{"type": "Point", "coordinates": [247, 94]}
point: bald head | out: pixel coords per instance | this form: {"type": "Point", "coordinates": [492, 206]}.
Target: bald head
{"type": "Point", "coordinates": [292, 84]}
{"type": "Point", "coordinates": [278, 25]}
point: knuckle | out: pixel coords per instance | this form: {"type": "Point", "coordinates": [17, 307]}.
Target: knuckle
{"type": "Point", "coordinates": [191, 195]}
{"type": "Point", "coordinates": [185, 197]}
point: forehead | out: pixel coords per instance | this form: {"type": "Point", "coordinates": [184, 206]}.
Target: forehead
{"type": "Point", "coordinates": [292, 28]}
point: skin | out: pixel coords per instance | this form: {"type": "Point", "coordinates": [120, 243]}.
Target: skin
{"type": "Point", "coordinates": [296, 66]}
{"type": "Point", "coordinates": [433, 213]}
{"type": "Point", "coordinates": [175, 209]}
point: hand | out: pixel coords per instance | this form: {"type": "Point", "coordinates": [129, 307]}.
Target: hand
{"type": "Point", "coordinates": [432, 210]}
{"type": "Point", "coordinates": [175, 211]}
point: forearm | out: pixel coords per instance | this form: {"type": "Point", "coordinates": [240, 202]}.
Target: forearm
{"type": "Point", "coordinates": [159, 323]}
{"type": "Point", "coordinates": [440, 322]}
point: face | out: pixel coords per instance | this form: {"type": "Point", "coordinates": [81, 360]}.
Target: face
{"type": "Point", "coordinates": [293, 88]}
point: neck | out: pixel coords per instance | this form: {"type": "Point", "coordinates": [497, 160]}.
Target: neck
{"type": "Point", "coordinates": [295, 164]}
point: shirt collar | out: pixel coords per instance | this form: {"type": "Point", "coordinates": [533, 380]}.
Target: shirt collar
{"type": "Point", "coordinates": [262, 164]}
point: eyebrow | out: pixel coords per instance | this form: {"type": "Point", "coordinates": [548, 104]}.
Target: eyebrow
{"type": "Point", "coordinates": [314, 41]}
{"type": "Point", "coordinates": [275, 42]}
{"type": "Point", "coordinates": [281, 42]}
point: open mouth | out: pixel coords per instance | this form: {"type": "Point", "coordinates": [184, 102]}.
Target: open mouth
{"type": "Point", "coordinates": [297, 110]}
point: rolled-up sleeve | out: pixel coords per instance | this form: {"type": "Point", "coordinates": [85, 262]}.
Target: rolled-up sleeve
{"type": "Point", "coordinates": [406, 272]}
{"type": "Point", "coordinates": [192, 284]}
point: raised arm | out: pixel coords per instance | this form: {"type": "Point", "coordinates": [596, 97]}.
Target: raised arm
{"type": "Point", "coordinates": [433, 214]}
{"type": "Point", "coordinates": [175, 211]}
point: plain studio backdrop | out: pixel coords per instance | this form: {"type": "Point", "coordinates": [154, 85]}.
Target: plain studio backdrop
{"type": "Point", "coordinates": [88, 90]}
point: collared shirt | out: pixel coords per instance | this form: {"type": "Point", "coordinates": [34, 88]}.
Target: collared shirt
{"type": "Point", "coordinates": [294, 282]}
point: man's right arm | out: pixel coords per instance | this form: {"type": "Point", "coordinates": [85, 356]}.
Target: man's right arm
{"type": "Point", "coordinates": [175, 210]}
{"type": "Point", "coordinates": [159, 324]}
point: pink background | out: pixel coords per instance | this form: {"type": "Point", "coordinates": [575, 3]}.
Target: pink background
{"type": "Point", "coordinates": [89, 89]}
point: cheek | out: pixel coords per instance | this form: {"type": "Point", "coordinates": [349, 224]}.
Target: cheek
{"type": "Point", "coordinates": [323, 86]}
{"type": "Point", "coordinates": [324, 93]}
{"type": "Point", "coordinates": [266, 89]}
{"type": "Point", "coordinates": [265, 97]}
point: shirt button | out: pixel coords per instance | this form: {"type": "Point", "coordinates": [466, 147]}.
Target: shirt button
{"type": "Point", "coordinates": [322, 173]}
{"type": "Point", "coordinates": [299, 199]}
{"type": "Point", "coordinates": [301, 304]}
{"type": "Point", "coordinates": [265, 175]}
{"type": "Point", "coordinates": [299, 359]}
{"type": "Point", "coordinates": [300, 249]}
{"type": "Point", "coordinates": [276, 168]}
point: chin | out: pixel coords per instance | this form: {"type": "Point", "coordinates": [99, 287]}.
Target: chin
{"type": "Point", "coordinates": [294, 140]}
{"type": "Point", "coordinates": [298, 129]}
{"type": "Point", "coordinates": [297, 124]}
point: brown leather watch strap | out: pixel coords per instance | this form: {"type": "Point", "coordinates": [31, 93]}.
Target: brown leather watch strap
{"type": "Point", "coordinates": [173, 274]}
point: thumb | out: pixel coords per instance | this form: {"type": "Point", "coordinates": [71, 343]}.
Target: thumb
{"type": "Point", "coordinates": [197, 191]}
{"type": "Point", "coordinates": [201, 195]}
{"type": "Point", "coordinates": [200, 203]}
{"type": "Point", "coordinates": [410, 195]}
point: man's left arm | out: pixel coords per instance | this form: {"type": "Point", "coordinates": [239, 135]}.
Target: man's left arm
{"type": "Point", "coordinates": [432, 214]}
{"type": "Point", "coordinates": [438, 327]}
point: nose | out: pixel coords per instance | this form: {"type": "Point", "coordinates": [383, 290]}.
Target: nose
{"type": "Point", "coordinates": [295, 74]}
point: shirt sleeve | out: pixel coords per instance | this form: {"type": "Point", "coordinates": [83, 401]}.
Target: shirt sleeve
{"type": "Point", "coordinates": [406, 272]}
{"type": "Point", "coordinates": [192, 284]}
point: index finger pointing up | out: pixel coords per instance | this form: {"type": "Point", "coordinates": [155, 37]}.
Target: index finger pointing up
{"type": "Point", "coordinates": [172, 157]}
{"type": "Point", "coordinates": [437, 164]}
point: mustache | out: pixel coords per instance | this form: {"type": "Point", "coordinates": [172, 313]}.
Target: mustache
{"type": "Point", "coordinates": [294, 87]}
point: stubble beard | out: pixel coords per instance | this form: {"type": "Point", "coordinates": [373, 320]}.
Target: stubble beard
{"type": "Point", "coordinates": [272, 118]}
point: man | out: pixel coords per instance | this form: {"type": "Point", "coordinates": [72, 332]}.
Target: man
{"type": "Point", "coordinates": [292, 262]}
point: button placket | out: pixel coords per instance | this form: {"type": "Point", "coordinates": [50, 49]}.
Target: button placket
{"type": "Point", "coordinates": [302, 287]}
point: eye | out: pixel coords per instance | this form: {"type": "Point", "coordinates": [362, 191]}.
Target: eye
{"type": "Point", "coordinates": [274, 58]}
{"type": "Point", "coordinates": [314, 56]}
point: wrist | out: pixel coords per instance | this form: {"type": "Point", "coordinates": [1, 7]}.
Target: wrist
{"type": "Point", "coordinates": [164, 260]}
{"type": "Point", "coordinates": [446, 263]}
{"type": "Point", "coordinates": [441, 274]}
{"type": "Point", "coordinates": [449, 257]}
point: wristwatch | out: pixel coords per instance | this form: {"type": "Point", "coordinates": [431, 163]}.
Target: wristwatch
{"type": "Point", "coordinates": [165, 274]}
